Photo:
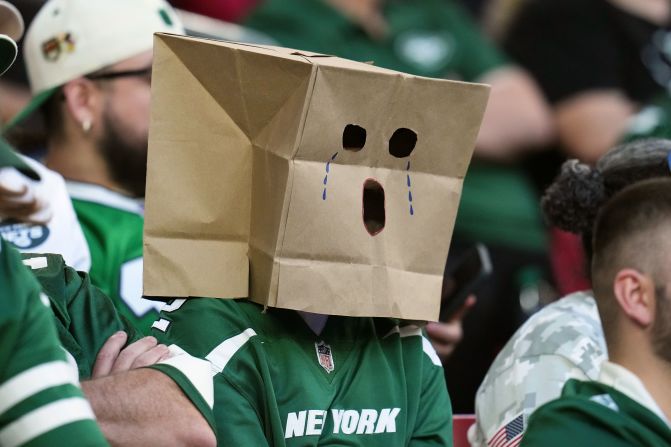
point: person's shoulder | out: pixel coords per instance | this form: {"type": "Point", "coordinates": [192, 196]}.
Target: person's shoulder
{"type": "Point", "coordinates": [199, 325]}
{"type": "Point", "coordinates": [569, 328]}
{"type": "Point", "coordinates": [593, 413]}
{"type": "Point", "coordinates": [559, 327]}
{"type": "Point", "coordinates": [409, 337]}
{"type": "Point", "coordinates": [585, 414]}
{"type": "Point", "coordinates": [563, 340]}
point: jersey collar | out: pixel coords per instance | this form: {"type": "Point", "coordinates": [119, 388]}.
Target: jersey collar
{"type": "Point", "coordinates": [628, 383]}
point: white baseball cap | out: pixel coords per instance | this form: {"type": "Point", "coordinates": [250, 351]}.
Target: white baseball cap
{"type": "Point", "coordinates": [72, 38]}
{"type": "Point", "coordinates": [11, 30]}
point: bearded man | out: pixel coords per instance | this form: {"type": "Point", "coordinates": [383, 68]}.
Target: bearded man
{"type": "Point", "coordinates": [89, 65]}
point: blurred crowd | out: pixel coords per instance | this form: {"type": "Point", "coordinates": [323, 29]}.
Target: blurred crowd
{"type": "Point", "coordinates": [579, 110]}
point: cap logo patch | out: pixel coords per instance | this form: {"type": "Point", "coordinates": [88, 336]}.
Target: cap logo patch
{"type": "Point", "coordinates": [325, 356]}
{"type": "Point", "coordinates": [60, 44]}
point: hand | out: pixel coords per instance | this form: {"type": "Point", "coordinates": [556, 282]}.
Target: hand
{"type": "Point", "coordinates": [20, 199]}
{"type": "Point", "coordinates": [445, 336]}
{"type": "Point", "coordinates": [112, 358]}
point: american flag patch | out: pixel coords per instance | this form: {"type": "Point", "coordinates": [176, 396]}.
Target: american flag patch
{"type": "Point", "coordinates": [510, 435]}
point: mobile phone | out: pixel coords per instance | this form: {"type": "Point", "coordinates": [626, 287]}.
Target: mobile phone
{"type": "Point", "coordinates": [463, 278]}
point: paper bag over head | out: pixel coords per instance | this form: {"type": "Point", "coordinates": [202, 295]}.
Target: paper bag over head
{"type": "Point", "coordinates": [302, 181]}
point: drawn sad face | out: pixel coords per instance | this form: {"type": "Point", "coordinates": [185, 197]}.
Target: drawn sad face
{"type": "Point", "coordinates": [373, 211]}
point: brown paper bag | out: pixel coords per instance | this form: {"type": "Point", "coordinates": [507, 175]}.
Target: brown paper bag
{"type": "Point", "coordinates": [302, 181]}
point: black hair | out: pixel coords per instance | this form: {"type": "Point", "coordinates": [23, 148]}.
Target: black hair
{"type": "Point", "coordinates": [573, 200]}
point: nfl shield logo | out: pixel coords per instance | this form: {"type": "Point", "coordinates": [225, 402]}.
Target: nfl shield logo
{"type": "Point", "coordinates": [325, 356]}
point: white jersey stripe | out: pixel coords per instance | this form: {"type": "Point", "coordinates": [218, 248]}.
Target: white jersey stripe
{"type": "Point", "coordinates": [428, 350]}
{"type": "Point", "coordinates": [34, 380]}
{"type": "Point", "coordinates": [198, 371]}
{"type": "Point", "coordinates": [222, 354]}
{"type": "Point", "coordinates": [45, 419]}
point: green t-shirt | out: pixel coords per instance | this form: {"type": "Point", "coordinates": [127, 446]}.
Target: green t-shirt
{"type": "Point", "coordinates": [40, 400]}
{"type": "Point", "coordinates": [361, 382]}
{"type": "Point", "coordinates": [590, 414]}
{"type": "Point", "coordinates": [112, 224]}
{"type": "Point", "coordinates": [434, 38]}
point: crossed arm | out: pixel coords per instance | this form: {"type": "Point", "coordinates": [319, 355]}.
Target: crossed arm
{"type": "Point", "coordinates": [138, 406]}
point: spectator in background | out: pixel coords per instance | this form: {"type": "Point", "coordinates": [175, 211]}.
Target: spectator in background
{"type": "Point", "coordinates": [96, 106]}
{"type": "Point", "coordinates": [629, 403]}
{"type": "Point", "coordinates": [498, 206]}
{"type": "Point", "coordinates": [597, 61]}
{"type": "Point", "coordinates": [565, 339]}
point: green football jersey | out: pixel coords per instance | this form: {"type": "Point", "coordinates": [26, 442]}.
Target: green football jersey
{"type": "Point", "coordinates": [590, 414]}
{"type": "Point", "coordinates": [361, 382]}
{"type": "Point", "coordinates": [41, 403]}
{"type": "Point", "coordinates": [85, 318]}
{"type": "Point", "coordinates": [112, 224]}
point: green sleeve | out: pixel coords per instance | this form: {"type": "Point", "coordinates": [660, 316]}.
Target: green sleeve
{"type": "Point", "coordinates": [85, 317]}
{"type": "Point", "coordinates": [573, 422]}
{"type": "Point", "coordinates": [41, 402]}
{"type": "Point", "coordinates": [239, 427]}
{"type": "Point", "coordinates": [434, 418]}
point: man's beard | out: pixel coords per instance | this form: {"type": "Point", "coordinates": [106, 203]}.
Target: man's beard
{"type": "Point", "coordinates": [661, 328]}
{"type": "Point", "coordinates": [126, 160]}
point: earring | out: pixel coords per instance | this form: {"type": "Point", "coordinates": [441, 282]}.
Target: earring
{"type": "Point", "coordinates": [86, 125]}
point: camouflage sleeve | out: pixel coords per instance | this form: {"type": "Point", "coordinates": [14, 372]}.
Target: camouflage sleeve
{"type": "Point", "coordinates": [562, 341]}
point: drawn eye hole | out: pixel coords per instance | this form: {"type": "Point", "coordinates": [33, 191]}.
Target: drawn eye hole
{"type": "Point", "coordinates": [402, 142]}
{"type": "Point", "coordinates": [353, 138]}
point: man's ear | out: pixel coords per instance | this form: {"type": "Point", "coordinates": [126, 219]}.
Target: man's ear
{"type": "Point", "coordinates": [83, 102]}
{"type": "Point", "coordinates": [635, 293]}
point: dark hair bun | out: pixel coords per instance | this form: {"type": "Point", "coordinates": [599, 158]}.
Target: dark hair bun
{"type": "Point", "coordinates": [572, 201]}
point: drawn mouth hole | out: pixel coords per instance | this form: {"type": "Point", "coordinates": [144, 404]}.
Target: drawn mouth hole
{"type": "Point", "coordinates": [373, 207]}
